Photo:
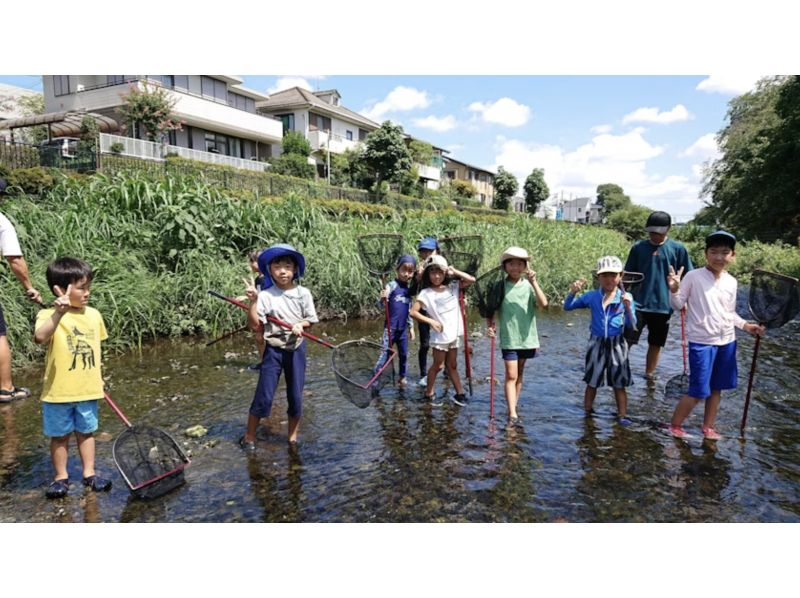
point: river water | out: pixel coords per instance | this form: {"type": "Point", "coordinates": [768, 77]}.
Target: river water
{"type": "Point", "coordinates": [400, 460]}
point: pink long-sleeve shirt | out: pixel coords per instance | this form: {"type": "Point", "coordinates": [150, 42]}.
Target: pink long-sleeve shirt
{"type": "Point", "coordinates": [711, 307]}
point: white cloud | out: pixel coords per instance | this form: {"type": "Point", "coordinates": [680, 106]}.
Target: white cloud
{"type": "Point", "coordinates": [400, 99]}
{"type": "Point", "coordinates": [440, 125]}
{"type": "Point", "coordinates": [505, 111]}
{"type": "Point", "coordinates": [601, 129]}
{"type": "Point", "coordinates": [293, 81]}
{"type": "Point", "coordinates": [620, 159]}
{"type": "Point", "coordinates": [654, 115]}
{"type": "Point", "coordinates": [728, 84]}
{"type": "Point", "coordinates": [705, 147]}
{"type": "Point", "coordinates": [454, 147]}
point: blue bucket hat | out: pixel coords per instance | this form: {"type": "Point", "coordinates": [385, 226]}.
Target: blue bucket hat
{"type": "Point", "coordinates": [270, 254]}
{"type": "Point", "coordinates": [428, 243]}
{"type": "Point", "coordinates": [407, 259]}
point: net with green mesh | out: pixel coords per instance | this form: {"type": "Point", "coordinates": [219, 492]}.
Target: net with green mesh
{"type": "Point", "coordinates": [464, 252]}
{"type": "Point", "coordinates": [489, 291]}
{"type": "Point", "coordinates": [380, 252]}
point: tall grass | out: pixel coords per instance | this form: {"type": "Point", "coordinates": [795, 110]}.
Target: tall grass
{"type": "Point", "coordinates": [158, 243]}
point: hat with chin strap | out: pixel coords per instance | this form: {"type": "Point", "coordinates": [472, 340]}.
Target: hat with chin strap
{"type": "Point", "coordinates": [270, 254]}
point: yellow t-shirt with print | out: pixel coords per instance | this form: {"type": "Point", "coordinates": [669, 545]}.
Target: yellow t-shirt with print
{"type": "Point", "coordinates": [72, 370]}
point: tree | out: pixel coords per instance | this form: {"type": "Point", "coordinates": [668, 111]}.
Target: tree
{"type": "Point", "coordinates": [295, 143]}
{"type": "Point", "coordinates": [755, 184]}
{"type": "Point", "coordinates": [536, 190]}
{"type": "Point", "coordinates": [505, 186]}
{"type": "Point", "coordinates": [611, 198]}
{"type": "Point", "coordinates": [385, 154]}
{"type": "Point", "coordinates": [629, 220]}
{"type": "Point", "coordinates": [150, 108]}
{"type": "Point", "coordinates": [293, 165]}
{"type": "Point", "coordinates": [421, 152]}
{"type": "Point", "coordinates": [26, 105]}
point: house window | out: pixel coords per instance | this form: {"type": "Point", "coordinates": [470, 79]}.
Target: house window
{"type": "Point", "coordinates": [216, 143]}
{"type": "Point", "coordinates": [362, 135]}
{"type": "Point", "coordinates": [207, 87]}
{"type": "Point", "coordinates": [317, 122]}
{"type": "Point", "coordinates": [220, 91]}
{"type": "Point", "coordinates": [349, 135]}
{"type": "Point", "coordinates": [172, 137]}
{"type": "Point", "coordinates": [168, 80]}
{"type": "Point", "coordinates": [450, 174]}
{"type": "Point", "coordinates": [473, 175]}
{"type": "Point", "coordinates": [483, 198]}
{"type": "Point", "coordinates": [61, 85]}
{"type": "Point", "coordinates": [288, 122]}
{"type": "Point", "coordinates": [115, 79]}
{"type": "Point", "coordinates": [181, 81]}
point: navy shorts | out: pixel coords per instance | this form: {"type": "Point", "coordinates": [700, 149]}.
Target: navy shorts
{"type": "Point", "coordinates": [711, 367]}
{"type": "Point", "coordinates": [657, 324]}
{"type": "Point", "coordinates": [517, 354]}
{"type": "Point", "coordinates": [3, 329]}
{"type": "Point", "coordinates": [293, 365]}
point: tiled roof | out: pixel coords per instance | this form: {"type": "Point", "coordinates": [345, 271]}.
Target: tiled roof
{"type": "Point", "coordinates": [297, 97]}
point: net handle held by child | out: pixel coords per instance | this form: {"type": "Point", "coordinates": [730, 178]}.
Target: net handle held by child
{"type": "Point", "coordinates": [785, 314]}
{"type": "Point", "coordinates": [270, 318]}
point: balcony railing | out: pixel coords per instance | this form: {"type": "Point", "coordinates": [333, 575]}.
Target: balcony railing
{"type": "Point", "coordinates": [149, 150]}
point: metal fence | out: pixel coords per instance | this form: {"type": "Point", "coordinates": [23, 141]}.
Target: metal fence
{"type": "Point", "coordinates": [22, 155]}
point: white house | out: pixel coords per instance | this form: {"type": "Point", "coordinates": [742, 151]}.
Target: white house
{"type": "Point", "coordinates": [218, 113]}
{"type": "Point", "coordinates": [580, 210]}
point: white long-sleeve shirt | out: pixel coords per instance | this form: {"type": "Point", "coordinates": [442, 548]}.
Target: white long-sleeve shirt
{"type": "Point", "coordinates": [711, 307]}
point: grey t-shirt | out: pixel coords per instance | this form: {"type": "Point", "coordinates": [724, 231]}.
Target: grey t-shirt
{"type": "Point", "coordinates": [292, 306]}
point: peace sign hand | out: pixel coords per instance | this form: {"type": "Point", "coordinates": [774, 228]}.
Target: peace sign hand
{"type": "Point", "coordinates": [250, 288]}
{"type": "Point", "coordinates": [674, 279]}
{"type": "Point", "coordinates": [62, 304]}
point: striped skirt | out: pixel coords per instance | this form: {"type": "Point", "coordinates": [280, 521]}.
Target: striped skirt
{"type": "Point", "coordinates": [607, 362]}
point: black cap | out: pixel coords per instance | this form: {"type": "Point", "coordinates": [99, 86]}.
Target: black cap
{"type": "Point", "coordinates": [658, 222]}
{"type": "Point", "coordinates": [721, 237]}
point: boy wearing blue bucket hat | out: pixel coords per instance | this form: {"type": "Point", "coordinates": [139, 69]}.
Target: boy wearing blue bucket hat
{"type": "Point", "coordinates": [281, 298]}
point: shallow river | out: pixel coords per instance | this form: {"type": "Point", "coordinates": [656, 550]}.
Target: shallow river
{"type": "Point", "coordinates": [401, 460]}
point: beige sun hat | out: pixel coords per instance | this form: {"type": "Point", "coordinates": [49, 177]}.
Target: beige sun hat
{"type": "Point", "coordinates": [435, 260]}
{"type": "Point", "coordinates": [514, 252]}
{"type": "Point", "coordinates": [609, 263]}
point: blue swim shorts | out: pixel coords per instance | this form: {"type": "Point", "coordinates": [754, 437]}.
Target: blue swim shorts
{"type": "Point", "coordinates": [61, 419]}
{"type": "Point", "coordinates": [517, 354]}
{"type": "Point", "coordinates": [711, 367]}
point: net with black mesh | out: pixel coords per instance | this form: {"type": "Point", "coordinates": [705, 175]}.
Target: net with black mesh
{"type": "Point", "coordinates": [150, 461]}
{"type": "Point", "coordinates": [488, 291]}
{"type": "Point", "coordinates": [362, 368]}
{"type": "Point", "coordinates": [774, 298]}
{"type": "Point", "coordinates": [678, 386]}
{"type": "Point", "coordinates": [380, 252]}
{"type": "Point", "coordinates": [463, 252]}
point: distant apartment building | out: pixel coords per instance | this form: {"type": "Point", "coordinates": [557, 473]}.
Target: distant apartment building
{"type": "Point", "coordinates": [430, 173]}
{"type": "Point", "coordinates": [482, 179]}
{"type": "Point", "coordinates": [218, 113]}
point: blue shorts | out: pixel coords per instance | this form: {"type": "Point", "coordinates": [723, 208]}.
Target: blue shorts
{"type": "Point", "coordinates": [293, 366]}
{"type": "Point", "coordinates": [61, 419]}
{"type": "Point", "coordinates": [517, 354]}
{"type": "Point", "coordinates": [711, 367]}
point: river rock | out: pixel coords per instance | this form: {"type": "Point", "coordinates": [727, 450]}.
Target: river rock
{"type": "Point", "coordinates": [197, 431]}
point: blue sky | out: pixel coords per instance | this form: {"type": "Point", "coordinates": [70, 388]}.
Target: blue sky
{"type": "Point", "coordinates": [648, 134]}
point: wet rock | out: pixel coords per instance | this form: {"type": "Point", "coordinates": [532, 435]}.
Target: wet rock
{"type": "Point", "coordinates": [308, 393]}
{"type": "Point", "coordinates": [476, 334]}
{"type": "Point", "coordinates": [570, 324]}
{"type": "Point", "coordinates": [197, 431]}
{"type": "Point", "coordinates": [103, 437]}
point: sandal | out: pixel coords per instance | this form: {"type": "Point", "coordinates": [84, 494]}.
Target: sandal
{"type": "Point", "coordinates": [15, 394]}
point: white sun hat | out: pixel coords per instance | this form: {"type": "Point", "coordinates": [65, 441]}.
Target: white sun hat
{"type": "Point", "coordinates": [514, 252]}
{"type": "Point", "coordinates": [435, 260]}
{"type": "Point", "coordinates": [609, 263]}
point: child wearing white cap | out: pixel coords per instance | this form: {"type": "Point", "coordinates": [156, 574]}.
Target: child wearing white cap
{"type": "Point", "coordinates": [519, 339]}
{"type": "Point", "coordinates": [440, 300]}
{"type": "Point", "coordinates": [607, 351]}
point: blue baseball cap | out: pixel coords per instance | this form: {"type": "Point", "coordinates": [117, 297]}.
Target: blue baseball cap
{"type": "Point", "coordinates": [721, 237]}
{"type": "Point", "coordinates": [270, 254]}
{"type": "Point", "coordinates": [428, 243]}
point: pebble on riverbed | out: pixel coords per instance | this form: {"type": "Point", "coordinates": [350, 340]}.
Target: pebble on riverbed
{"type": "Point", "coordinates": [197, 431]}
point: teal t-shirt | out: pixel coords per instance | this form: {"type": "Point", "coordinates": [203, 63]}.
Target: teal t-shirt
{"type": "Point", "coordinates": [518, 317]}
{"type": "Point", "coordinates": [654, 261]}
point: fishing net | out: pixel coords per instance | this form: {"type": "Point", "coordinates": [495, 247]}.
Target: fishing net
{"type": "Point", "coordinates": [380, 252]}
{"type": "Point", "coordinates": [488, 291]}
{"type": "Point", "coordinates": [150, 461]}
{"type": "Point", "coordinates": [774, 298]}
{"type": "Point", "coordinates": [463, 253]}
{"type": "Point", "coordinates": [359, 373]}
{"type": "Point", "coordinates": [630, 280]}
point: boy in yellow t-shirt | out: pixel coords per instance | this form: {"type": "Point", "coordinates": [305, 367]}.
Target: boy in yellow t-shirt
{"type": "Point", "coordinates": [72, 380]}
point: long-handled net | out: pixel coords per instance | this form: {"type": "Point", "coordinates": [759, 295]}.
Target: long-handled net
{"type": "Point", "coordinates": [359, 377]}
{"type": "Point", "coordinates": [464, 253]}
{"type": "Point", "coordinates": [488, 292]}
{"type": "Point", "coordinates": [149, 459]}
{"type": "Point", "coordinates": [677, 386]}
{"type": "Point", "coordinates": [380, 252]}
{"type": "Point", "coordinates": [773, 301]}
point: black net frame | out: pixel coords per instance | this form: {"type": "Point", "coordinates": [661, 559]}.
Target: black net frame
{"type": "Point", "coordinates": [463, 252]}
{"type": "Point", "coordinates": [630, 280]}
{"type": "Point", "coordinates": [150, 460]}
{"type": "Point", "coordinates": [359, 374]}
{"type": "Point", "coordinates": [380, 252]}
{"type": "Point", "coordinates": [489, 291]}
{"type": "Point", "coordinates": [773, 298]}
{"type": "Point", "coordinates": [676, 387]}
